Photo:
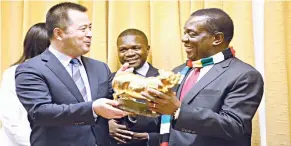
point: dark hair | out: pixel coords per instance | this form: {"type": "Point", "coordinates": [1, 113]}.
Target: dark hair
{"type": "Point", "coordinates": [133, 31]}
{"type": "Point", "coordinates": [35, 42]}
{"type": "Point", "coordinates": [57, 16]}
{"type": "Point", "coordinates": [217, 21]}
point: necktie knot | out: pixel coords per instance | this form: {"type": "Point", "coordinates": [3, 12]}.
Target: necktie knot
{"type": "Point", "coordinates": [197, 69]}
{"type": "Point", "coordinates": [75, 61]}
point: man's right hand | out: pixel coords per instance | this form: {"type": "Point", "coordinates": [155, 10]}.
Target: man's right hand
{"type": "Point", "coordinates": [107, 109]}
{"type": "Point", "coordinates": [119, 132]}
{"type": "Point", "coordinates": [124, 68]}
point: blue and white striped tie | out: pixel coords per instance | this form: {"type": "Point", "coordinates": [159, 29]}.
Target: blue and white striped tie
{"type": "Point", "coordinates": [76, 75]}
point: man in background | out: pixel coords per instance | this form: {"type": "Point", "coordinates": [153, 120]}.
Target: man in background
{"type": "Point", "coordinates": [133, 48]}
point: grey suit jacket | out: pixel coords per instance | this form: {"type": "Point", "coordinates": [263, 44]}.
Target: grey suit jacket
{"type": "Point", "coordinates": [56, 110]}
{"type": "Point", "coordinates": [218, 110]}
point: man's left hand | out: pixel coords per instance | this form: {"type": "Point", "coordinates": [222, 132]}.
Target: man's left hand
{"type": "Point", "coordinates": [162, 103]}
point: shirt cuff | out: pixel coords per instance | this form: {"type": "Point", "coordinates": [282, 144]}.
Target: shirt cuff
{"type": "Point", "coordinates": [132, 119]}
{"type": "Point", "coordinates": [94, 114]}
{"type": "Point", "coordinates": [177, 113]}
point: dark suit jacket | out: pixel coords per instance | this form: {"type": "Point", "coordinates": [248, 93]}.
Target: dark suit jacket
{"type": "Point", "coordinates": [143, 124]}
{"type": "Point", "coordinates": [56, 110]}
{"type": "Point", "coordinates": [218, 110]}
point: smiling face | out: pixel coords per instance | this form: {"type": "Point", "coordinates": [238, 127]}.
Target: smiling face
{"type": "Point", "coordinates": [77, 36]}
{"type": "Point", "coordinates": [132, 49]}
{"type": "Point", "coordinates": [197, 40]}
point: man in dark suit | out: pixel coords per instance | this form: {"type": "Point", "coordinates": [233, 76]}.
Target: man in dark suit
{"type": "Point", "coordinates": [66, 94]}
{"type": "Point", "coordinates": [133, 49]}
{"type": "Point", "coordinates": [219, 94]}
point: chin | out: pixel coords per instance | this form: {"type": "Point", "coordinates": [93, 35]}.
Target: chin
{"type": "Point", "coordinates": [85, 50]}
{"type": "Point", "coordinates": [133, 66]}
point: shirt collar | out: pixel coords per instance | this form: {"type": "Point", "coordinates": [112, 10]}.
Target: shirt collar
{"type": "Point", "coordinates": [144, 69]}
{"type": "Point", "coordinates": [63, 58]}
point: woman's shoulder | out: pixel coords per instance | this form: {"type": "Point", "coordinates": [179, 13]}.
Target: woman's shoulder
{"type": "Point", "coordinates": [10, 71]}
{"type": "Point", "coordinates": [8, 79]}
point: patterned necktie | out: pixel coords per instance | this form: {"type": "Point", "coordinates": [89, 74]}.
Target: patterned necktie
{"type": "Point", "coordinates": [76, 75]}
{"type": "Point", "coordinates": [219, 57]}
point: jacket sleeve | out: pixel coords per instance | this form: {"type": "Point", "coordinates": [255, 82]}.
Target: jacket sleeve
{"type": "Point", "coordinates": [235, 117]}
{"type": "Point", "coordinates": [34, 94]}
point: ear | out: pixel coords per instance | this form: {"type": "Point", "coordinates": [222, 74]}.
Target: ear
{"type": "Point", "coordinates": [149, 47]}
{"type": "Point", "coordinates": [218, 38]}
{"type": "Point", "coordinates": [58, 33]}
{"type": "Point", "coordinates": [148, 50]}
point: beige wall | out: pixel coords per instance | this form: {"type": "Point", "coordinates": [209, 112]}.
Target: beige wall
{"type": "Point", "coordinates": [163, 21]}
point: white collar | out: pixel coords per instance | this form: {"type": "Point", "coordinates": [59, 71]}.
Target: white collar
{"type": "Point", "coordinates": [63, 58]}
{"type": "Point", "coordinates": [144, 69]}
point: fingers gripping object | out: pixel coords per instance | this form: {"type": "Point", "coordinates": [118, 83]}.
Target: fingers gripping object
{"type": "Point", "coordinates": [128, 88]}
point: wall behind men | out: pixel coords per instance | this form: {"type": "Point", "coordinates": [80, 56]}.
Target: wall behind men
{"type": "Point", "coordinates": [163, 22]}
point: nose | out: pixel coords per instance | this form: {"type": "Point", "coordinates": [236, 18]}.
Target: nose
{"type": "Point", "coordinates": [89, 33]}
{"type": "Point", "coordinates": [129, 53]}
{"type": "Point", "coordinates": [185, 38]}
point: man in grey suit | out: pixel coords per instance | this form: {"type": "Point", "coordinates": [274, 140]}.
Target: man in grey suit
{"type": "Point", "coordinates": [133, 48]}
{"type": "Point", "coordinates": [66, 94]}
{"type": "Point", "coordinates": [219, 94]}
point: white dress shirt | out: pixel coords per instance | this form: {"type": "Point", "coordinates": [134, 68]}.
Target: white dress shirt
{"type": "Point", "coordinates": [144, 69]}
{"type": "Point", "coordinates": [13, 115]}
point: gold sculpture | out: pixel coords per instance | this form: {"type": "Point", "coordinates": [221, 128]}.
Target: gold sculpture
{"type": "Point", "coordinates": [128, 88]}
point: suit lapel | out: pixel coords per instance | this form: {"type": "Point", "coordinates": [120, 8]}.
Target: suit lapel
{"type": "Point", "coordinates": [92, 77]}
{"type": "Point", "coordinates": [59, 70]}
{"type": "Point", "coordinates": [178, 87]}
{"type": "Point", "coordinates": [210, 76]}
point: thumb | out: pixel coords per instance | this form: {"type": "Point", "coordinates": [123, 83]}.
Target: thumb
{"type": "Point", "coordinates": [124, 67]}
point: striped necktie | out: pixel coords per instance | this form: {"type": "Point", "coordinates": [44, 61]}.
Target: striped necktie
{"type": "Point", "coordinates": [76, 75]}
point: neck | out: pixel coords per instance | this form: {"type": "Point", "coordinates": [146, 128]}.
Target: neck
{"type": "Point", "coordinates": [60, 47]}
{"type": "Point", "coordinates": [216, 50]}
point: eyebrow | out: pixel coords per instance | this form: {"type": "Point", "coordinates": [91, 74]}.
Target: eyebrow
{"type": "Point", "coordinates": [189, 30]}
{"type": "Point", "coordinates": [90, 24]}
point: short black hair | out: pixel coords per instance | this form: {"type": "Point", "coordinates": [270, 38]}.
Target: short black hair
{"type": "Point", "coordinates": [57, 16]}
{"type": "Point", "coordinates": [133, 31]}
{"type": "Point", "coordinates": [217, 21]}
{"type": "Point", "coordinates": [35, 42]}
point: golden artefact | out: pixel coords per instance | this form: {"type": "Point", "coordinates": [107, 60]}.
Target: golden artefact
{"type": "Point", "coordinates": [128, 88]}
